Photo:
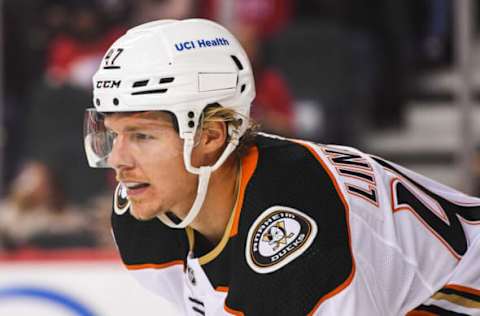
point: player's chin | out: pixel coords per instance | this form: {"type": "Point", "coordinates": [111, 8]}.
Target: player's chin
{"type": "Point", "coordinates": [142, 212]}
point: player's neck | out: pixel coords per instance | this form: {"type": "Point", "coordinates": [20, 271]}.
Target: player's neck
{"type": "Point", "coordinates": [220, 200]}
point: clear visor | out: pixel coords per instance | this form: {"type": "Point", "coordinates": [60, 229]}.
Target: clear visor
{"type": "Point", "coordinates": [98, 141]}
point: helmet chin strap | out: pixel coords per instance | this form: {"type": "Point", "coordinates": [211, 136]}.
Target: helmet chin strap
{"type": "Point", "coordinates": [204, 174]}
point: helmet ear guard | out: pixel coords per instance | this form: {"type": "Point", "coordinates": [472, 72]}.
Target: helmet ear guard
{"type": "Point", "coordinates": [179, 67]}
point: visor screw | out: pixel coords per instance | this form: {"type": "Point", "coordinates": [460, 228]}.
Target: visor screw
{"type": "Point", "coordinates": [115, 101]}
{"type": "Point", "coordinates": [191, 124]}
{"type": "Point", "coordinates": [97, 101]}
{"type": "Point", "coordinates": [191, 114]}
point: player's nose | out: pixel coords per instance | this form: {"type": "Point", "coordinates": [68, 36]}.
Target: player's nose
{"type": "Point", "coordinates": [120, 156]}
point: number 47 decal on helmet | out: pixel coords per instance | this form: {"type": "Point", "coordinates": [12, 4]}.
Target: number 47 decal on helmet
{"type": "Point", "coordinates": [111, 57]}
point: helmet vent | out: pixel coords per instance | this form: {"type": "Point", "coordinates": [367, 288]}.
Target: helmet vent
{"type": "Point", "coordinates": [150, 91]}
{"type": "Point", "coordinates": [167, 80]}
{"type": "Point", "coordinates": [141, 83]}
{"type": "Point", "coordinates": [237, 62]}
{"type": "Point", "coordinates": [242, 88]}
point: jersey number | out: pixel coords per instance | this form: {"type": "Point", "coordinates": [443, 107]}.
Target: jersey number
{"type": "Point", "coordinates": [440, 216]}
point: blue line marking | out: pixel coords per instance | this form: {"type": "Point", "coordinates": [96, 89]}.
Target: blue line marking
{"type": "Point", "coordinates": [46, 295]}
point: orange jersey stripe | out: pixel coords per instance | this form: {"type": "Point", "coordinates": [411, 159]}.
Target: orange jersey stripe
{"type": "Point", "coordinates": [249, 163]}
{"type": "Point", "coordinates": [224, 289]}
{"type": "Point", "coordinates": [420, 313]}
{"type": "Point", "coordinates": [153, 265]}
{"type": "Point", "coordinates": [232, 311]}
{"type": "Point", "coordinates": [463, 288]}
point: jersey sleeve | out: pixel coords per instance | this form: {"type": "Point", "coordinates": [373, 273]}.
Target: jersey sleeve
{"type": "Point", "coordinates": [414, 233]}
{"type": "Point", "coordinates": [456, 291]}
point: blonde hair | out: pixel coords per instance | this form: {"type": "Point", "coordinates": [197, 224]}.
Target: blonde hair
{"type": "Point", "coordinates": [217, 113]}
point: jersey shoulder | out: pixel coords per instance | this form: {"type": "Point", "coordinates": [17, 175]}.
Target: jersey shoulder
{"type": "Point", "coordinates": [290, 173]}
{"type": "Point", "coordinates": [294, 230]}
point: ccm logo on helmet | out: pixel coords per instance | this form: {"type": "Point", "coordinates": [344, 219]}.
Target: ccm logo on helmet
{"type": "Point", "coordinates": [108, 84]}
{"type": "Point", "coordinates": [201, 43]}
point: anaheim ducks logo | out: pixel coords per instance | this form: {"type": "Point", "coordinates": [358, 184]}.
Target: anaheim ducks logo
{"type": "Point", "coordinates": [121, 202]}
{"type": "Point", "coordinates": [278, 236]}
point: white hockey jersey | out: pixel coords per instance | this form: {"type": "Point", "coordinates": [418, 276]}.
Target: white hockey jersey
{"type": "Point", "coordinates": [318, 230]}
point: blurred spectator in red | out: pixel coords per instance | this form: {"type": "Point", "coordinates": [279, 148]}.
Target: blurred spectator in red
{"type": "Point", "coordinates": [266, 16]}
{"type": "Point", "coordinates": [150, 10]}
{"type": "Point", "coordinates": [74, 55]}
{"type": "Point", "coordinates": [273, 105]}
{"type": "Point", "coordinates": [35, 214]}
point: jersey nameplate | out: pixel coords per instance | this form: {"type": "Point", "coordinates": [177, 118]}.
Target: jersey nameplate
{"type": "Point", "coordinates": [278, 236]}
{"type": "Point", "coordinates": [121, 203]}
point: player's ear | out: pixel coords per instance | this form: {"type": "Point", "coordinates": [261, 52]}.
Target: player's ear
{"type": "Point", "coordinates": [211, 142]}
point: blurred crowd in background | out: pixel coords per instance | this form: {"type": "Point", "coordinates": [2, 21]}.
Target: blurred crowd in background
{"type": "Point", "coordinates": [326, 70]}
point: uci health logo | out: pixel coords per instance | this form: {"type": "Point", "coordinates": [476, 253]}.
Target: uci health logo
{"type": "Point", "coordinates": [19, 301]}
{"type": "Point", "coordinates": [201, 43]}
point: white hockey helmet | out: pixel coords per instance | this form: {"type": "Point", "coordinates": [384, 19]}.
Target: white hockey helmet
{"type": "Point", "coordinates": [175, 66]}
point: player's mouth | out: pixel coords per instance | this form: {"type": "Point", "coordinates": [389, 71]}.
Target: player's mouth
{"type": "Point", "coordinates": [136, 188]}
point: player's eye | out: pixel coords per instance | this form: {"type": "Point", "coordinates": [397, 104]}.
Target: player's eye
{"type": "Point", "coordinates": [141, 136]}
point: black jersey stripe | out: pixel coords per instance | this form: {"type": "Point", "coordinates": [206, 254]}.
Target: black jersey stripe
{"type": "Point", "coordinates": [193, 300]}
{"type": "Point", "coordinates": [199, 311]}
{"type": "Point", "coordinates": [438, 310]}
{"type": "Point", "coordinates": [458, 292]}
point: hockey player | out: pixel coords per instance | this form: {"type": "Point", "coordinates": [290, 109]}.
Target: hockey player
{"type": "Point", "coordinates": [221, 220]}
